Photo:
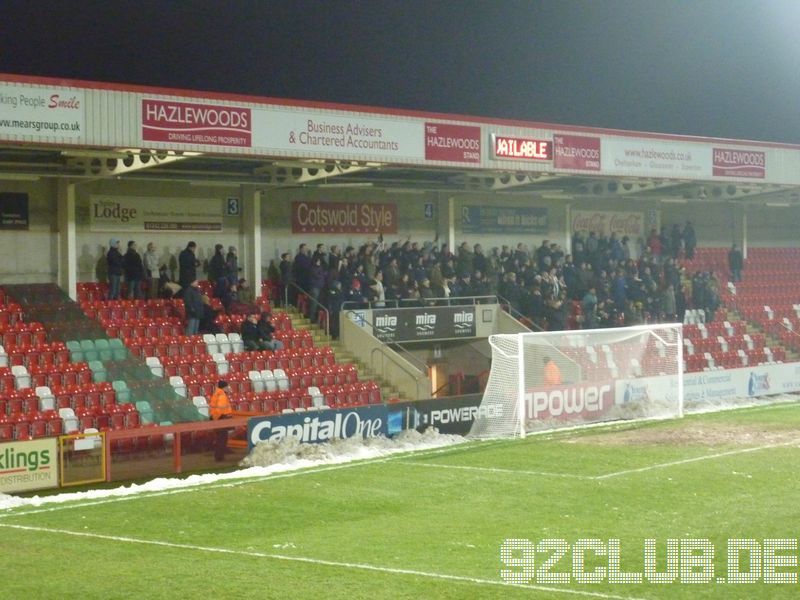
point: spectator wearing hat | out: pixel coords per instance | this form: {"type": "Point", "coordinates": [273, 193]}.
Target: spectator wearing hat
{"type": "Point", "coordinates": [115, 264]}
{"type": "Point", "coordinates": [220, 408]}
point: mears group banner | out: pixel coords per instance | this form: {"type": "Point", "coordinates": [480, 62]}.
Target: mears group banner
{"type": "Point", "coordinates": [36, 113]}
{"type": "Point", "coordinates": [343, 217]}
{"type": "Point", "coordinates": [128, 213]}
{"type": "Point", "coordinates": [423, 324]}
{"type": "Point", "coordinates": [606, 222]}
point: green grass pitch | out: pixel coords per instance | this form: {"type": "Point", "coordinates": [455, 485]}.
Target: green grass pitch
{"type": "Point", "coordinates": [431, 524]}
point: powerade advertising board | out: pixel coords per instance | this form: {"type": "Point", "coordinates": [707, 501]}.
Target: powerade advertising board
{"type": "Point", "coordinates": [449, 415]}
{"type": "Point", "coordinates": [319, 425]}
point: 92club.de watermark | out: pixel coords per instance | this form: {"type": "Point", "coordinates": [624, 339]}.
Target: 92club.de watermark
{"type": "Point", "coordinates": [688, 561]}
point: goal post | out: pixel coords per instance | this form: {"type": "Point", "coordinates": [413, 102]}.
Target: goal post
{"type": "Point", "coordinates": [547, 380]}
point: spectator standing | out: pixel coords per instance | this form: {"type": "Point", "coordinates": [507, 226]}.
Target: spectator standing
{"type": "Point", "coordinates": [216, 266]}
{"type": "Point", "coordinates": [301, 267]}
{"type": "Point", "coordinates": [316, 283]}
{"type": "Point", "coordinates": [220, 408]}
{"type": "Point", "coordinates": [115, 269]}
{"type": "Point", "coordinates": [589, 309]}
{"type": "Point", "coordinates": [134, 271]}
{"type": "Point", "coordinates": [689, 240]}
{"type": "Point", "coordinates": [151, 271]}
{"type": "Point", "coordinates": [551, 372]}
{"type": "Point", "coordinates": [735, 263]}
{"type": "Point", "coordinates": [232, 265]}
{"type": "Point", "coordinates": [193, 305]}
{"type": "Point", "coordinates": [187, 265]}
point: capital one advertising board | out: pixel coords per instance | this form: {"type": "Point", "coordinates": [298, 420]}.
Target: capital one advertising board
{"type": "Point", "coordinates": [319, 426]}
{"type": "Point", "coordinates": [197, 124]}
{"type": "Point", "coordinates": [343, 217]}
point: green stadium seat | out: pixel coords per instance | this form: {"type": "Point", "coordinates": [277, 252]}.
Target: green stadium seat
{"type": "Point", "coordinates": [75, 352]}
{"type": "Point", "coordinates": [103, 349]}
{"type": "Point", "coordinates": [89, 351]}
{"type": "Point", "coordinates": [122, 392]}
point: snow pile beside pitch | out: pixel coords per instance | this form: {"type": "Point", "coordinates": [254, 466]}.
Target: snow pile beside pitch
{"type": "Point", "coordinates": [294, 457]}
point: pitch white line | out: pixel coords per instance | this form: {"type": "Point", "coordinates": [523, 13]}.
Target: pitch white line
{"type": "Point", "coordinates": [315, 561]}
{"type": "Point", "coordinates": [493, 470]}
{"type": "Point", "coordinates": [606, 475]}
{"type": "Point", "coordinates": [695, 459]}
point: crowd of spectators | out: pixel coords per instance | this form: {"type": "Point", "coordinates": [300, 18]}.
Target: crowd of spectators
{"type": "Point", "coordinates": [602, 281]}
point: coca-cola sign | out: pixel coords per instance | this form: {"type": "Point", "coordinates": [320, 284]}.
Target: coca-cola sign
{"type": "Point", "coordinates": [740, 163]}
{"type": "Point", "coordinates": [197, 124]}
{"type": "Point", "coordinates": [606, 222]}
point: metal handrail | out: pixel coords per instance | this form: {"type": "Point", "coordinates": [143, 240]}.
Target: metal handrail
{"type": "Point", "coordinates": [319, 304]}
{"type": "Point", "coordinates": [517, 314]}
{"type": "Point", "coordinates": [411, 358]}
{"type": "Point", "coordinates": [382, 350]}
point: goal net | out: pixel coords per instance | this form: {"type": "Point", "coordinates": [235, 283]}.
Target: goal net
{"type": "Point", "coordinates": [548, 380]}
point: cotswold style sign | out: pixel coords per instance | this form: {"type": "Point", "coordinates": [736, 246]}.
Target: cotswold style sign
{"type": "Point", "coordinates": [422, 324]}
{"type": "Point", "coordinates": [343, 217]}
{"type": "Point", "coordinates": [126, 213]}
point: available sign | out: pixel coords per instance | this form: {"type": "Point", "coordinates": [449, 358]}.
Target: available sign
{"type": "Point", "coordinates": [128, 213]}
{"type": "Point", "coordinates": [13, 210]}
{"type": "Point", "coordinates": [319, 426]}
{"type": "Point", "coordinates": [343, 217]}
{"type": "Point", "coordinates": [504, 219]}
{"type": "Point", "coordinates": [193, 123]}
{"type": "Point", "coordinates": [28, 465]}
{"type": "Point", "coordinates": [606, 222]}
{"type": "Point", "coordinates": [740, 163]}
{"type": "Point", "coordinates": [452, 143]}
{"type": "Point", "coordinates": [577, 152]}
{"type": "Point", "coordinates": [518, 148]}
{"type": "Point", "coordinates": [422, 324]}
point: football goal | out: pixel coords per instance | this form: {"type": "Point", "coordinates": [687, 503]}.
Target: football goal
{"type": "Point", "coordinates": [548, 380]}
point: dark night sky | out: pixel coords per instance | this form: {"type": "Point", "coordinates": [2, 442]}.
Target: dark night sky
{"type": "Point", "coordinates": [728, 68]}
